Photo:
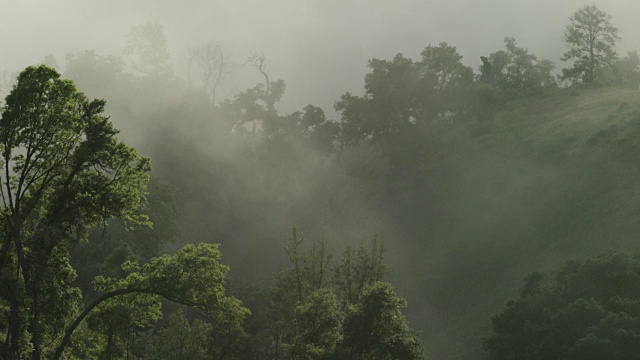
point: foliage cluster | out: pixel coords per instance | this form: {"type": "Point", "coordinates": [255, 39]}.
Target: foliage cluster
{"type": "Point", "coordinates": [590, 310]}
{"type": "Point", "coordinates": [319, 311]}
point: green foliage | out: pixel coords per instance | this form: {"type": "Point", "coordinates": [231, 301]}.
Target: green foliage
{"type": "Point", "coordinates": [402, 96]}
{"type": "Point", "coordinates": [192, 277]}
{"type": "Point", "coordinates": [109, 246]}
{"type": "Point", "coordinates": [377, 329]}
{"type": "Point", "coordinates": [318, 322]}
{"type": "Point", "coordinates": [591, 39]}
{"type": "Point", "coordinates": [516, 69]}
{"type": "Point", "coordinates": [64, 172]}
{"type": "Point", "coordinates": [328, 316]}
{"type": "Point", "coordinates": [181, 338]}
{"type": "Point", "coordinates": [590, 311]}
{"type": "Point", "coordinates": [359, 268]}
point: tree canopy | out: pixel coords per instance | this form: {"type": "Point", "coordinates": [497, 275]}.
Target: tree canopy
{"type": "Point", "coordinates": [403, 95]}
{"type": "Point", "coordinates": [64, 172]}
{"type": "Point", "coordinates": [590, 310]}
{"type": "Point", "coordinates": [515, 68]}
{"type": "Point", "coordinates": [591, 38]}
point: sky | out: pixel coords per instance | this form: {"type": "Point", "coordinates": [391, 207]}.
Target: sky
{"type": "Point", "coordinates": [319, 47]}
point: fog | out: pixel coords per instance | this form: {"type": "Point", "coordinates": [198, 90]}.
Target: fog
{"type": "Point", "coordinates": [468, 202]}
{"type": "Point", "coordinates": [320, 48]}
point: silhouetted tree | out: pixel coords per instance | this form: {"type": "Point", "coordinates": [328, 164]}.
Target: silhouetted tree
{"type": "Point", "coordinates": [591, 38]}
{"type": "Point", "coordinates": [515, 68]}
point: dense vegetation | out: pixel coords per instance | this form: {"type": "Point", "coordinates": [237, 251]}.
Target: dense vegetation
{"type": "Point", "coordinates": [471, 180]}
{"type": "Point", "coordinates": [590, 311]}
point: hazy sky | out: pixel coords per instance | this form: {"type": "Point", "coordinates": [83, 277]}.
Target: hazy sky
{"type": "Point", "coordinates": [320, 47]}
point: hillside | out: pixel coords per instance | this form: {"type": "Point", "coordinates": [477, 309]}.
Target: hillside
{"type": "Point", "coordinates": [552, 176]}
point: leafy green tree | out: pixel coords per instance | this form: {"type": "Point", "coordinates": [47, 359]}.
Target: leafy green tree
{"type": "Point", "coordinates": [181, 339]}
{"type": "Point", "coordinates": [359, 268]}
{"type": "Point", "coordinates": [591, 38]}
{"type": "Point", "coordinates": [64, 172]}
{"type": "Point", "coordinates": [516, 69]}
{"type": "Point", "coordinates": [377, 329]}
{"type": "Point", "coordinates": [402, 96]}
{"type": "Point", "coordinates": [116, 325]}
{"type": "Point", "coordinates": [318, 321]}
{"type": "Point", "coordinates": [192, 277]}
{"type": "Point", "coordinates": [312, 316]}
{"type": "Point", "coordinates": [591, 310]}
{"type": "Point", "coordinates": [309, 272]}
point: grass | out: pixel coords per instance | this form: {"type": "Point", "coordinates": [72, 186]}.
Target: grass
{"type": "Point", "coordinates": [553, 176]}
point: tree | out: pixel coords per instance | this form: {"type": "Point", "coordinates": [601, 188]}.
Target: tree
{"type": "Point", "coordinates": [590, 310]}
{"type": "Point", "coordinates": [96, 74]}
{"type": "Point", "coordinates": [213, 67]}
{"type": "Point", "coordinates": [125, 322]}
{"type": "Point", "coordinates": [515, 68]}
{"type": "Point", "coordinates": [318, 320]}
{"type": "Point", "coordinates": [192, 277]}
{"type": "Point", "coordinates": [329, 316]}
{"type": "Point", "coordinates": [591, 39]}
{"type": "Point", "coordinates": [181, 338]}
{"type": "Point", "coordinates": [403, 96]}
{"type": "Point", "coordinates": [626, 71]}
{"type": "Point", "coordinates": [147, 44]}
{"type": "Point", "coordinates": [309, 273]}
{"type": "Point", "coordinates": [360, 268]}
{"type": "Point", "coordinates": [6, 83]}
{"type": "Point", "coordinates": [387, 335]}
{"type": "Point", "coordinates": [64, 172]}
{"type": "Point", "coordinates": [255, 106]}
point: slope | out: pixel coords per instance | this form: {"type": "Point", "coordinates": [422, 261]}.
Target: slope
{"type": "Point", "coordinates": [552, 176]}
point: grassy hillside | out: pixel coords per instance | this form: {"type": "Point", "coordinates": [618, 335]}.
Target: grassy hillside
{"type": "Point", "coordinates": [554, 175]}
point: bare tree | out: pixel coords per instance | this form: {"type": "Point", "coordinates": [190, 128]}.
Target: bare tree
{"type": "Point", "coordinates": [259, 61]}
{"type": "Point", "coordinates": [212, 65]}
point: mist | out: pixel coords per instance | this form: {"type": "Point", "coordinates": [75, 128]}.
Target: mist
{"type": "Point", "coordinates": [494, 184]}
{"type": "Point", "coordinates": [324, 44]}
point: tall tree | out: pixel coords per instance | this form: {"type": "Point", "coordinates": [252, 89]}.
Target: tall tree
{"type": "Point", "coordinates": [591, 38]}
{"type": "Point", "coordinates": [212, 66]}
{"type": "Point", "coordinates": [64, 171]}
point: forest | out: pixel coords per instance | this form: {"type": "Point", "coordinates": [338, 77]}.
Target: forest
{"type": "Point", "coordinates": [447, 212]}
